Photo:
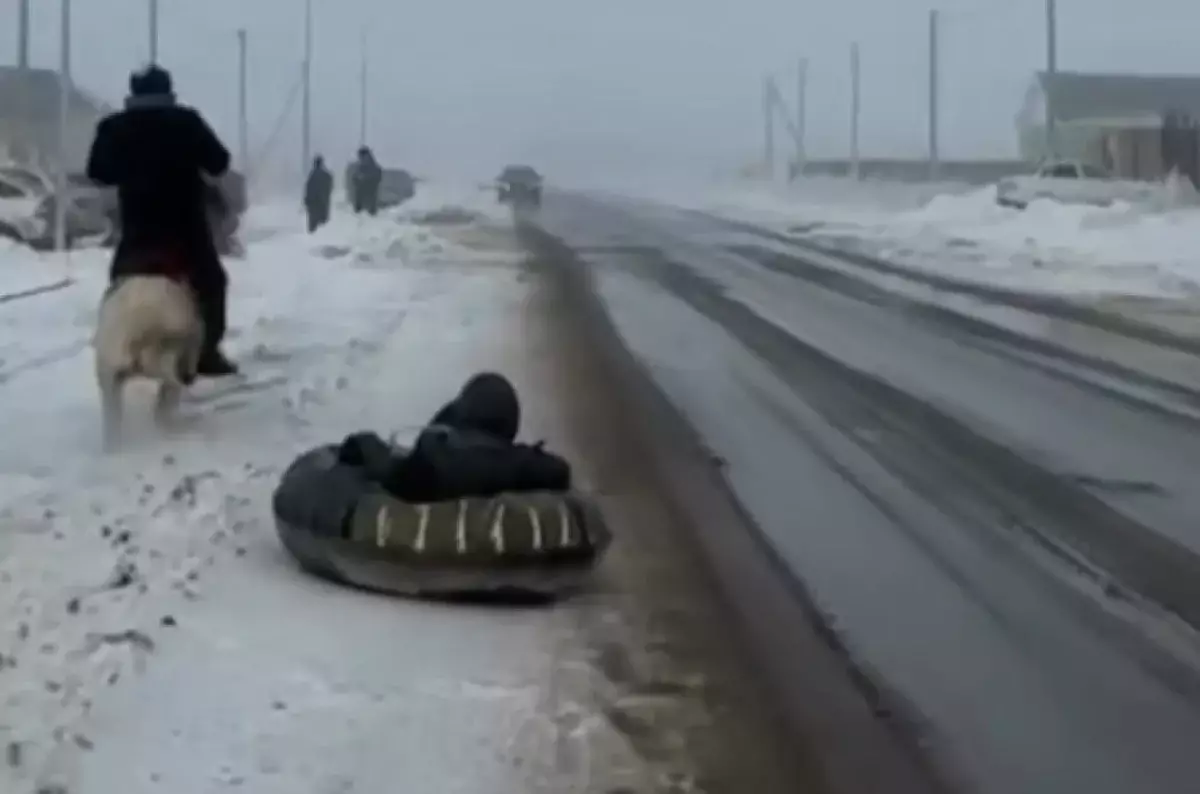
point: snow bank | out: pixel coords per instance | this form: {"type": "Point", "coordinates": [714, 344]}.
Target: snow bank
{"type": "Point", "coordinates": [1121, 249]}
{"type": "Point", "coordinates": [832, 197]}
{"type": "Point", "coordinates": [479, 202]}
{"type": "Point", "coordinates": [1054, 247]}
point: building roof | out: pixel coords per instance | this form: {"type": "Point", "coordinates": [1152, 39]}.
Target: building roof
{"type": "Point", "coordinates": [32, 94]}
{"type": "Point", "coordinates": [1079, 95]}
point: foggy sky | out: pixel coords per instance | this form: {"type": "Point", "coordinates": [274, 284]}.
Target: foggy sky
{"type": "Point", "coordinates": [462, 86]}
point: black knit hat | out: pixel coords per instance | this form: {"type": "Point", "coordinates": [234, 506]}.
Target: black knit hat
{"type": "Point", "coordinates": [151, 81]}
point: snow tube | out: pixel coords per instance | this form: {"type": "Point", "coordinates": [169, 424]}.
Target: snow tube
{"type": "Point", "coordinates": [343, 527]}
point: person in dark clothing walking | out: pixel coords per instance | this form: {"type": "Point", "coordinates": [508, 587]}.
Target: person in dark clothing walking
{"type": "Point", "coordinates": [158, 154]}
{"type": "Point", "coordinates": [367, 177]}
{"type": "Point", "coordinates": [318, 192]}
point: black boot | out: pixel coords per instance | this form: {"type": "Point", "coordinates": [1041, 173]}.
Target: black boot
{"type": "Point", "coordinates": [210, 295]}
{"type": "Point", "coordinates": [214, 364]}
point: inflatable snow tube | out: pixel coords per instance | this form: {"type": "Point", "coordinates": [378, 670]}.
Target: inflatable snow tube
{"type": "Point", "coordinates": [343, 527]}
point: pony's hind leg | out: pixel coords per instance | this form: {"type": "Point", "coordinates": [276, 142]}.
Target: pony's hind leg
{"type": "Point", "coordinates": [111, 408]}
{"type": "Point", "coordinates": [166, 404]}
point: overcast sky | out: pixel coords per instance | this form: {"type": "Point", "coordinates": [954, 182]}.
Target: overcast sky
{"type": "Point", "coordinates": [462, 86]}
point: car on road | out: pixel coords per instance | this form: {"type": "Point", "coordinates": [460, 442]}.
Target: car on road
{"type": "Point", "coordinates": [519, 185]}
{"type": "Point", "coordinates": [1075, 182]}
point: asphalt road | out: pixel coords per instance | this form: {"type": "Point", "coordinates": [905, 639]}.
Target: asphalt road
{"type": "Point", "coordinates": [1004, 536]}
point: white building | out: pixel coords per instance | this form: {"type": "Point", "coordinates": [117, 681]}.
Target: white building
{"type": "Point", "coordinates": [1110, 120]}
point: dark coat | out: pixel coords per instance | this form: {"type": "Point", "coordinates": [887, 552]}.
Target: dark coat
{"type": "Point", "coordinates": [318, 190]}
{"type": "Point", "coordinates": [367, 178]}
{"type": "Point", "coordinates": [155, 153]}
{"type": "Point", "coordinates": [468, 449]}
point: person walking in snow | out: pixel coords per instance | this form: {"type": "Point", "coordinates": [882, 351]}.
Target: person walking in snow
{"type": "Point", "coordinates": [367, 178]}
{"type": "Point", "coordinates": [318, 192]}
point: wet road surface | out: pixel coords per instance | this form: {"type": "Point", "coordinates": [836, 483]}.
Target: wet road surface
{"type": "Point", "coordinates": [1003, 531]}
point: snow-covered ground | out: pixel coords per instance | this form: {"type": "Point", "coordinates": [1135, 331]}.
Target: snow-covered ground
{"type": "Point", "coordinates": [153, 636]}
{"type": "Point", "coordinates": [960, 231]}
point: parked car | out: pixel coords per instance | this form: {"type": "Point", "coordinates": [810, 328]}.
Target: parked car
{"type": "Point", "coordinates": [1074, 182]}
{"type": "Point", "coordinates": [28, 207]}
{"type": "Point", "coordinates": [396, 187]}
{"type": "Point", "coordinates": [519, 185]}
{"type": "Point", "coordinates": [91, 213]}
{"type": "Point", "coordinates": [227, 202]}
{"type": "Point", "coordinates": [20, 193]}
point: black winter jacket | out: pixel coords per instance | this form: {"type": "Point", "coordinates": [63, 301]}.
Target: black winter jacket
{"type": "Point", "coordinates": [155, 153]}
{"type": "Point", "coordinates": [318, 189]}
{"type": "Point", "coordinates": [469, 448]}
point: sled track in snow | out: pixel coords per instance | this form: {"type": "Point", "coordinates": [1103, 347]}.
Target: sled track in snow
{"type": "Point", "coordinates": [45, 359]}
{"type": "Point", "coordinates": [9, 297]}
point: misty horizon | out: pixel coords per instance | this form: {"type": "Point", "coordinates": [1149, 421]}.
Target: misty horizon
{"type": "Point", "coordinates": [466, 86]}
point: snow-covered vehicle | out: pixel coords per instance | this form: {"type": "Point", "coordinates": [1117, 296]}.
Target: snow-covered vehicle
{"type": "Point", "coordinates": [21, 191]}
{"type": "Point", "coordinates": [1074, 182]}
{"type": "Point", "coordinates": [28, 206]}
{"type": "Point", "coordinates": [91, 213]}
{"type": "Point", "coordinates": [95, 211]}
{"type": "Point", "coordinates": [519, 185]}
{"type": "Point", "coordinates": [396, 187]}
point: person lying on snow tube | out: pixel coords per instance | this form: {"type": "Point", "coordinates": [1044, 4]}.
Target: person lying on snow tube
{"type": "Point", "coordinates": [468, 449]}
{"type": "Point", "coordinates": [466, 511]}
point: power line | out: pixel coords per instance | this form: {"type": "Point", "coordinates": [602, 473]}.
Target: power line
{"type": "Point", "coordinates": [273, 138]}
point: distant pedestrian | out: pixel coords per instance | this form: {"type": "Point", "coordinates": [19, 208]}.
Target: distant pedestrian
{"type": "Point", "coordinates": [367, 178]}
{"type": "Point", "coordinates": [318, 192]}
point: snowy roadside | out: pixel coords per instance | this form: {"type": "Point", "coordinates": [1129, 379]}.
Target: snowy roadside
{"type": "Point", "coordinates": [161, 640]}
{"type": "Point", "coordinates": [960, 232]}
{"type": "Point", "coordinates": [99, 557]}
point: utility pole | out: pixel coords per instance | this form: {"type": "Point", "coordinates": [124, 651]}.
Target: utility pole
{"type": "Point", "coordinates": [855, 104]}
{"type": "Point", "coordinates": [306, 112]}
{"type": "Point", "coordinates": [64, 108]}
{"type": "Point", "coordinates": [243, 123]}
{"type": "Point", "coordinates": [23, 34]}
{"type": "Point", "coordinates": [1051, 73]}
{"type": "Point", "coordinates": [153, 31]}
{"type": "Point", "coordinates": [934, 119]}
{"type": "Point", "coordinates": [24, 134]}
{"type": "Point", "coordinates": [362, 88]}
{"type": "Point", "coordinates": [768, 108]}
{"type": "Point", "coordinates": [801, 115]}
